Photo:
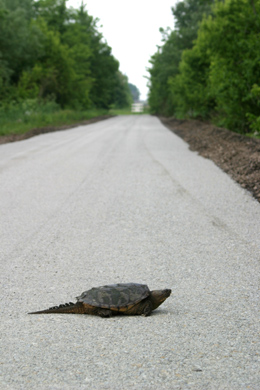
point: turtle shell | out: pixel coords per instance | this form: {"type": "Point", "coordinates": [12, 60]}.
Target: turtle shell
{"type": "Point", "coordinates": [115, 296]}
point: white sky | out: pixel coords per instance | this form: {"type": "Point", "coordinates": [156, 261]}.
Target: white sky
{"type": "Point", "coordinates": [131, 29]}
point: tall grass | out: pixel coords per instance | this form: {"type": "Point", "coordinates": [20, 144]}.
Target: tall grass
{"type": "Point", "coordinates": [18, 118]}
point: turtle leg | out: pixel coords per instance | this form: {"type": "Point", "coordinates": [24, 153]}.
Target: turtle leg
{"type": "Point", "coordinates": [104, 313]}
{"type": "Point", "coordinates": [147, 308]}
{"type": "Point", "coordinates": [143, 308]}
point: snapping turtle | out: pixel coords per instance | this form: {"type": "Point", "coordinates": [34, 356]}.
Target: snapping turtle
{"type": "Point", "coordinates": [121, 298]}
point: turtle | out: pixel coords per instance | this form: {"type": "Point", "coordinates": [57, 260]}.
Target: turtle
{"type": "Point", "coordinates": [113, 299]}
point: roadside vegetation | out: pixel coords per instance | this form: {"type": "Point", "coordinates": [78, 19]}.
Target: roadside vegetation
{"type": "Point", "coordinates": [55, 67]}
{"type": "Point", "coordinates": [31, 114]}
{"type": "Point", "coordinates": [128, 111]}
{"type": "Point", "coordinates": [208, 67]}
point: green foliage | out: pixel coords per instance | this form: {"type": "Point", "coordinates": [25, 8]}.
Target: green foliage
{"type": "Point", "coordinates": [217, 72]}
{"type": "Point", "coordinates": [53, 74]}
{"type": "Point", "coordinates": [189, 90]}
{"type": "Point", "coordinates": [234, 61]}
{"type": "Point", "coordinates": [254, 119]}
{"type": "Point", "coordinates": [18, 118]}
{"type": "Point", "coordinates": [49, 52]}
{"type": "Point", "coordinates": [54, 13]}
{"type": "Point", "coordinates": [188, 15]}
{"type": "Point", "coordinates": [135, 93]}
{"type": "Point", "coordinates": [20, 43]}
{"type": "Point", "coordinates": [122, 96]}
{"type": "Point", "coordinates": [165, 62]}
{"type": "Point", "coordinates": [15, 117]}
{"type": "Point", "coordinates": [104, 68]}
{"type": "Point", "coordinates": [164, 65]}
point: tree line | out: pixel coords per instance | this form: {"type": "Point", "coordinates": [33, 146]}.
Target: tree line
{"type": "Point", "coordinates": [208, 67]}
{"type": "Point", "coordinates": [51, 52]}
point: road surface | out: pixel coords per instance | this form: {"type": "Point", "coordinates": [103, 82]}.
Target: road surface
{"type": "Point", "coordinates": [125, 200]}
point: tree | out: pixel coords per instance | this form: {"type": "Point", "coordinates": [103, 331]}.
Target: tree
{"type": "Point", "coordinates": [20, 42]}
{"type": "Point", "coordinates": [52, 75]}
{"type": "Point", "coordinates": [122, 96]}
{"type": "Point", "coordinates": [165, 62]}
{"type": "Point", "coordinates": [48, 51]}
{"type": "Point", "coordinates": [54, 12]}
{"type": "Point", "coordinates": [189, 88]}
{"type": "Point", "coordinates": [188, 15]}
{"type": "Point", "coordinates": [234, 62]}
{"type": "Point", "coordinates": [220, 77]}
{"type": "Point", "coordinates": [134, 92]}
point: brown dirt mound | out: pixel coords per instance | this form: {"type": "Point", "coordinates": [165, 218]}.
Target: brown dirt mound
{"type": "Point", "coordinates": [235, 154]}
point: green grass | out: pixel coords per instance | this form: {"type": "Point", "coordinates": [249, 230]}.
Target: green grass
{"type": "Point", "coordinates": [126, 111]}
{"type": "Point", "coordinates": [120, 111]}
{"type": "Point", "coordinates": [253, 135]}
{"type": "Point", "coordinates": [28, 115]}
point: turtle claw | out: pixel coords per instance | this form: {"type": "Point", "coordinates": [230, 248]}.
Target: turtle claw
{"type": "Point", "coordinates": [105, 313]}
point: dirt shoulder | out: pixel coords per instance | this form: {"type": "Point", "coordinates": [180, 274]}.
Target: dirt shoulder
{"type": "Point", "coordinates": [48, 129]}
{"type": "Point", "coordinates": [235, 154]}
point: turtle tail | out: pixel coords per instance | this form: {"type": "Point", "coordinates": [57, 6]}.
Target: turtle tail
{"type": "Point", "coordinates": [74, 308]}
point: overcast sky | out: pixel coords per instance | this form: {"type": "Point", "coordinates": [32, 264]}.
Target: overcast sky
{"type": "Point", "coordinates": [131, 28]}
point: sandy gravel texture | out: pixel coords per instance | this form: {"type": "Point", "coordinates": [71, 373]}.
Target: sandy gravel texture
{"type": "Point", "coordinates": [125, 200]}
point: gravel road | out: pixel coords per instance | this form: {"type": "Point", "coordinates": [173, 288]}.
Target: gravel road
{"type": "Point", "coordinates": [125, 200]}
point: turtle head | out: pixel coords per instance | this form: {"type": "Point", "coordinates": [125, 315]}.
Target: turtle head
{"type": "Point", "coordinates": [158, 297]}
